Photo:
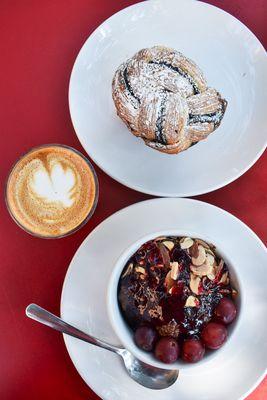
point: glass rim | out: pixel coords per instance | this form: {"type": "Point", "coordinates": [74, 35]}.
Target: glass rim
{"type": "Point", "coordinates": [92, 210]}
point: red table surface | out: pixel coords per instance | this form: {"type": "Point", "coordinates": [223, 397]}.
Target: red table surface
{"type": "Point", "coordinates": [39, 43]}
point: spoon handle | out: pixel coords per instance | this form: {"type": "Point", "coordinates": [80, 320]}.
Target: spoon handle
{"type": "Point", "coordinates": [45, 317]}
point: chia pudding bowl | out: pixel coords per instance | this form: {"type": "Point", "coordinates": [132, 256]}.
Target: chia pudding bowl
{"type": "Point", "coordinates": [174, 299]}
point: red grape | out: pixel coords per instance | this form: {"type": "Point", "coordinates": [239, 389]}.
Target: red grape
{"type": "Point", "coordinates": [167, 350]}
{"type": "Point", "coordinates": [193, 350]}
{"type": "Point", "coordinates": [214, 335]}
{"type": "Point", "coordinates": [145, 338]}
{"type": "Point", "coordinates": [225, 312]}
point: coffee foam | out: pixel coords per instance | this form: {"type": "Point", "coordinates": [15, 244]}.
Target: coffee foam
{"type": "Point", "coordinates": [56, 186]}
{"type": "Point", "coordinates": [51, 191]}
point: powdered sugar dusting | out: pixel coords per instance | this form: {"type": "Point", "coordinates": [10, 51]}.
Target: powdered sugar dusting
{"type": "Point", "coordinates": [145, 78]}
{"type": "Point", "coordinates": [162, 96]}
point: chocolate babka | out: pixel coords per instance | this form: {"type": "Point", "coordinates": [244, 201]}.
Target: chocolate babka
{"type": "Point", "coordinates": [162, 96]}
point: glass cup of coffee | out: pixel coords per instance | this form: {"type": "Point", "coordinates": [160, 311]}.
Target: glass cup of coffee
{"type": "Point", "coordinates": [52, 191]}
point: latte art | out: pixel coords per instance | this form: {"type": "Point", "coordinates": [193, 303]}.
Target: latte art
{"type": "Point", "coordinates": [51, 191]}
{"type": "Point", "coordinates": [57, 186]}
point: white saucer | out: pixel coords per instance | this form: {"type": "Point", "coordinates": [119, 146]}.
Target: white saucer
{"type": "Point", "coordinates": [232, 373]}
{"type": "Point", "coordinates": [234, 62]}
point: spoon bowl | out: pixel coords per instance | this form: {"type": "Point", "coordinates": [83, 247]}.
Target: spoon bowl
{"type": "Point", "coordinates": [147, 375]}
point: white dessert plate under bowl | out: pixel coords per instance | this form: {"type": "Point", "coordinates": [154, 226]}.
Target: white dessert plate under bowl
{"type": "Point", "coordinates": [234, 62]}
{"type": "Point", "coordinates": [235, 370]}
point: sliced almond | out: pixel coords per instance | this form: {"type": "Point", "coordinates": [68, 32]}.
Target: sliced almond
{"type": "Point", "coordinates": [164, 254]}
{"type": "Point", "coordinates": [171, 290]}
{"type": "Point", "coordinates": [210, 258]}
{"type": "Point", "coordinates": [224, 279]}
{"type": "Point", "coordinates": [211, 276]}
{"type": "Point", "coordinates": [174, 270]}
{"type": "Point", "coordinates": [202, 270]}
{"type": "Point", "coordinates": [209, 251]}
{"type": "Point", "coordinates": [194, 250]}
{"type": "Point", "coordinates": [234, 292]}
{"type": "Point", "coordinates": [200, 259]}
{"type": "Point", "coordinates": [191, 301]}
{"type": "Point", "coordinates": [204, 244]}
{"type": "Point", "coordinates": [194, 283]}
{"type": "Point", "coordinates": [169, 244]}
{"type": "Point", "coordinates": [218, 269]}
{"type": "Point", "coordinates": [186, 243]}
{"type": "Point", "coordinates": [160, 238]}
{"type": "Point", "coordinates": [157, 279]}
{"type": "Point", "coordinates": [169, 282]}
{"type": "Point", "coordinates": [140, 270]}
{"type": "Point", "coordinates": [128, 270]}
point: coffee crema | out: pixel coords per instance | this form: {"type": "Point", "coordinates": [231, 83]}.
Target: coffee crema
{"type": "Point", "coordinates": [51, 191]}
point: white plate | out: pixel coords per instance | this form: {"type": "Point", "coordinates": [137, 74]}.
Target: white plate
{"type": "Point", "coordinates": [232, 373]}
{"type": "Point", "coordinates": [234, 62]}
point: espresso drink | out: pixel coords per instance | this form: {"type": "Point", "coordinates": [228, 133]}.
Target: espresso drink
{"type": "Point", "coordinates": [51, 191]}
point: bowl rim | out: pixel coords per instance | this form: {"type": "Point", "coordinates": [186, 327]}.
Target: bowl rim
{"type": "Point", "coordinates": [115, 315]}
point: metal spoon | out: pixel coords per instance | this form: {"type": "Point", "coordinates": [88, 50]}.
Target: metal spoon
{"type": "Point", "coordinates": [144, 374]}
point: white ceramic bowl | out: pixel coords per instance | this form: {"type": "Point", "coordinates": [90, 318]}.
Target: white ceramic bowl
{"type": "Point", "coordinates": [122, 329]}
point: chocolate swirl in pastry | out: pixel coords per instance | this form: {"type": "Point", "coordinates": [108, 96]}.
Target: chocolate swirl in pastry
{"type": "Point", "coordinates": [163, 97]}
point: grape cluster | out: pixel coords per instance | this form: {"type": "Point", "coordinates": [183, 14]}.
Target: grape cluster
{"type": "Point", "coordinates": [191, 350]}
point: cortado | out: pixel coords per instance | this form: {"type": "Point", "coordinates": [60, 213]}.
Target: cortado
{"type": "Point", "coordinates": [52, 191]}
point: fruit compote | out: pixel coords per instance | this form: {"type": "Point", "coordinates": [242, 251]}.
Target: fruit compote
{"type": "Point", "coordinates": [176, 294]}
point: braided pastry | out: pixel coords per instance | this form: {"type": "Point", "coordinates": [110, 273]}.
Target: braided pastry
{"type": "Point", "coordinates": [163, 97]}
